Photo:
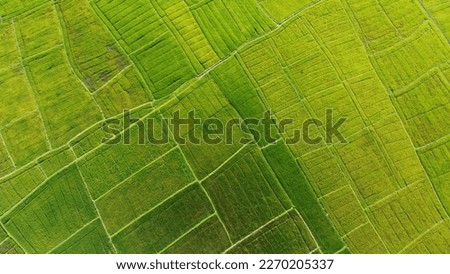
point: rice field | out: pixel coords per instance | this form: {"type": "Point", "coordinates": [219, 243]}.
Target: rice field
{"type": "Point", "coordinates": [68, 67]}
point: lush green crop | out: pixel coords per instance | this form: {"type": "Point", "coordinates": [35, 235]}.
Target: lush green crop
{"type": "Point", "coordinates": [70, 67]}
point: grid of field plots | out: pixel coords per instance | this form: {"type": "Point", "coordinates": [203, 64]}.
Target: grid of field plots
{"type": "Point", "coordinates": [66, 66]}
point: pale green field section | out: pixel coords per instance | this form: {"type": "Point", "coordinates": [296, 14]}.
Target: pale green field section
{"type": "Point", "coordinates": [49, 215]}
{"type": "Point", "coordinates": [257, 208]}
{"type": "Point", "coordinates": [439, 11]}
{"type": "Point", "coordinates": [228, 24]}
{"type": "Point", "coordinates": [241, 93]}
{"type": "Point", "coordinates": [58, 96]}
{"type": "Point", "coordinates": [280, 11]}
{"type": "Point", "coordinates": [6, 164]}
{"type": "Point", "coordinates": [208, 237]}
{"type": "Point", "coordinates": [125, 91]}
{"type": "Point", "coordinates": [165, 224]}
{"type": "Point", "coordinates": [38, 31]}
{"type": "Point", "coordinates": [96, 56]}
{"type": "Point", "coordinates": [107, 166]}
{"type": "Point", "coordinates": [25, 139]}
{"type": "Point", "coordinates": [8, 246]}
{"type": "Point", "coordinates": [286, 235]}
{"type": "Point", "coordinates": [17, 100]}
{"type": "Point", "coordinates": [74, 74]}
{"type": "Point", "coordinates": [91, 239]}
{"type": "Point", "coordinates": [18, 186]}
{"type": "Point", "coordinates": [205, 157]}
{"type": "Point", "coordinates": [54, 161]}
{"type": "Point", "coordinates": [144, 190]}
{"type": "Point", "coordinates": [11, 8]}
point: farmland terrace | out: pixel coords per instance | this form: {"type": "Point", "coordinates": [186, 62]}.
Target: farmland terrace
{"type": "Point", "coordinates": [67, 66]}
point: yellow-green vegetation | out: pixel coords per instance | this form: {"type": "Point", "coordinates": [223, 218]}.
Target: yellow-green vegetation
{"type": "Point", "coordinates": [166, 223]}
{"type": "Point", "coordinates": [69, 68]}
{"type": "Point", "coordinates": [125, 91]}
{"type": "Point", "coordinates": [133, 197]}
{"type": "Point", "coordinates": [25, 139]}
{"type": "Point", "coordinates": [91, 239]}
{"type": "Point", "coordinates": [61, 207]}
{"type": "Point", "coordinates": [235, 199]}
{"type": "Point", "coordinates": [18, 186]}
{"type": "Point", "coordinates": [96, 56]}
{"type": "Point", "coordinates": [209, 237]}
{"type": "Point", "coordinates": [287, 234]}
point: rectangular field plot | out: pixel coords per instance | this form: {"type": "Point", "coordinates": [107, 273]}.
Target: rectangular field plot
{"type": "Point", "coordinates": [385, 23]}
{"type": "Point", "coordinates": [243, 96]}
{"type": "Point", "coordinates": [280, 10]}
{"type": "Point", "coordinates": [66, 107]}
{"type": "Point", "coordinates": [323, 170]}
{"type": "Point", "coordinates": [110, 165]}
{"type": "Point", "coordinates": [345, 210]}
{"type": "Point", "coordinates": [54, 161]}
{"type": "Point", "coordinates": [330, 25]}
{"type": "Point", "coordinates": [126, 91]}
{"type": "Point", "coordinates": [406, 215]}
{"type": "Point", "coordinates": [313, 74]}
{"type": "Point", "coordinates": [6, 163]}
{"type": "Point", "coordinates": [371, 96]}
{"type": "Point", "coordinates": [38, 31]}
{"type": "Point", "coordinates": [311, 71]}
{"type": "Point", "coordinates": [406, 16]}
{"type": "Point", "coordinates": [281, 95]}
{"type": "Point", "coordinates": [365, 240]}
{"type": "Point", "coordinates": [165, 65]}
{"type": "Point", "coordinates": [144, 190]}
{"type": "Point", "coordinates": [25, 139]}
{"type": "Point", "coordinates": [160, 227]}
{"type": "Point", "coordinates": [302, 196]}
{"type": "Point", "coordinates": [261, 61]}
{"type": "Point", "coordinates": [436, 163]}
{"type": "Point", "coordinates": [16, 98]}
{"type": "Point", "coordinates": [227, 24]}
{"type": "Point", "coordinates": [374, 24]}
{"type": "Point", "coordinates": [91, 239]}
{"type": "Point", "coordinates": [18, 185]}
{"type": "Point", "coordinates": [297, 113]}
{"type": "Point", "coordinates": [400, 150]}
{"type": "Point", "coordinates": [400, 65]}
{"type": "Point", "coordinates": [425, 108]}
{"type": "Point", "coordinates": [8, 246]}
{"type": "Point", "coordinates": [435, 241]}
{"type": "Point", "coordinates": [52, 213]}
{"type": "Point", "coordinates": [134, 23]}
{"type": "Point", "coordinates": [204, 157]}
{"type": "Point", "coordinates": [246, 194]}
{"type": "Point", "coordinates": [191, 37]}
{"type": "Point", "coordinates": [9, 8]}
{"type": "Point", "coordinates": [107, 131]}
{"type": "Point", "coordinates": [3, 235]}
{"type": "Point", "coordinates": [96, 55]}
{"type": "Point", "coordinates": [209, 237]}
{"type": "Point", "coordinates": [439, 10]}
{"type": "Point", "coordinates": [9, 54]}
{"type": "Point", "coordinates": [367, 166]}
{"type": "Point", "coordinates": [334, 104]}
{"type": "Point", "coordinates": [287, 234]}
